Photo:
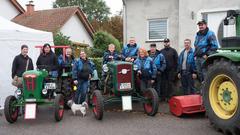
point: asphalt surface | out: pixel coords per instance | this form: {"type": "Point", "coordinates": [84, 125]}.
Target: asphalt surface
{"type": "Point", "coordinates": [115, 122]}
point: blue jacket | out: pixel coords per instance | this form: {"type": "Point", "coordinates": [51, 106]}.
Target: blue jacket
{"type": "Point", "coordinates": [160, 62]}
{"type": "Point", "coordinates": [190, 63]}
{"type": "Point", "coordinates": [78, 67]}
{"type": "Point", "coordinates": [147, 67]}
{"type": "Point", "coordinates": [106, 55]}
{"type": "Point", "coordinates": [68, 61]}
{"type": "Point", "coordinates": [205, 43]}
{"type": "Point", "coordinates": [130, 51]}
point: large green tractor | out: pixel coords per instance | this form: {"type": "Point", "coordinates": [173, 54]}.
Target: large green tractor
{"type": "Point", "coordinates": [221, 90]}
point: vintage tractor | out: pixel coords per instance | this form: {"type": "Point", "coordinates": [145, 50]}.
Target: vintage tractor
{"type": "Point", "coordinates": [221, 90]}
{"type": "Point", "coordinates": [38, 89]}
{"type": "Point", "coordinates": [119, 86]}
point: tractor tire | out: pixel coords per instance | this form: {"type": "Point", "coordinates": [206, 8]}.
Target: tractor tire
{"type": "Point", "coordinates": [98, 105]}
{"type": "Point", "coordinates": [59, 107]}
{"type": "Point", "coordinates": [11, 113]}
{"type": "Point", "coordinates": [151, 106]}
{"type": "Point", "coordinates": [67, 91]}
{"type": "Point", "coordinates": [221, 95]}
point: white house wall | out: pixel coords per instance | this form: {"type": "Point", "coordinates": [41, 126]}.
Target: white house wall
{"type": "Point", "coordinates": [7, 10]}
{"type": "Point", "coordinates": [138, 12]}
{"type": "Point", "coordinates": [76, 31]}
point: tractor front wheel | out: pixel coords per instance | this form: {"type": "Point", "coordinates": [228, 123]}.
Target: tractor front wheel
{"type": "Point", "coordinates": [221, 96]}
{"type": "Point", "coordinates": [98, 105]}
{"type": "Point", "coordinates": [151, 104]}
{"type": "Point", "coordinates": [11, 111]}
{"type": "Point", "coordinates": [59, 107]}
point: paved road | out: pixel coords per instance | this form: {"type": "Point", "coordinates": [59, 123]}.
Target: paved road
{"type": "Point", "coordinates": [114, 122]}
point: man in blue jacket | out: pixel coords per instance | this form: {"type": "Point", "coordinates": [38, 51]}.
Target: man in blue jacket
{"type": "Point", "coordinates": [82, 72]}
{"type": "Point", "coordinates": [130, 51]}
{"type": "Point", "coordinates": [110, 54]}
{"type": "Point", "coordinates": [67, 63]}
{"type": "Point", "coordinates": [187, 68]}
{"type": "Point", "coordinates": [160, 62]}
{"type": "Point", "coordinates": [205, 45]}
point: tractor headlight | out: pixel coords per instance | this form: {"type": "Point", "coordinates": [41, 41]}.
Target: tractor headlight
{"type": "Point", "coordinates": [135, 67]}
{"type": "Point", "coordinates": [44, 91]}
{"type": "Point", "coordinates": [105, 68]}
{"type": "Point", "coordinates": [18, 92]}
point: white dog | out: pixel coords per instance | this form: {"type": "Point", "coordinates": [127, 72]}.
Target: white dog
{"type": "Point", "coordinates": [78, 107]}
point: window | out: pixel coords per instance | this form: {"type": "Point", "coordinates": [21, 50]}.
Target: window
{"type": "Point", "coordinates": [157, 29]}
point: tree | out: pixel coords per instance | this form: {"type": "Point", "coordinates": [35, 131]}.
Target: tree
{"type": "Point", "coordinates": [60, 39]}
{"type": "Point", "coordinates": [94, 9]}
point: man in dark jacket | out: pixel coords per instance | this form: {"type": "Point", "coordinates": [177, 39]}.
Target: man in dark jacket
{"type": "Point", "coordinates": [67, 63]}
{"type": "Point", "coordinates": [21, 63]}
{"type": "Point", "coordinates": [169, 75]}
{"type": "Point", "coordinates": [205, 45]}
{"type": "Point", "coordinates": [110, 54]}
{"type": "Point", "coordinates": [187, 68]}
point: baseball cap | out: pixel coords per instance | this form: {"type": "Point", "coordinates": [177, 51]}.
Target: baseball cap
{"type": "Point", "coordinates": [202, 22]}
{"type": "Point", "coordinates": [166, 40]}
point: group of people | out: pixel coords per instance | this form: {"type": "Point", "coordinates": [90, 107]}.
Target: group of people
{"type": "Point", "coordinates": [155, 68]}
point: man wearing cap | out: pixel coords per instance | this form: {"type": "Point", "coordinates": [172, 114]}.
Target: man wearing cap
{"type": "Point", "coordinates": [169, 75]}
{"type": "Point", "coordinates": [21, 63]}
{"type": "Point", "coordinates": [160, 63]}
{"type": "Point", "coordinates": [205, 45]}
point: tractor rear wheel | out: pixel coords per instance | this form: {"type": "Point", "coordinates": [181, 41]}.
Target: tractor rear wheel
{"type": "Point", "coordinates": [11, 111]}
{"type": "Point", "coordinates": [98, 105]}
{"type": "Point", "coordinates": [221, 96]}
{"type": "Point", "coordinates": [151, 104]}
{"type": "Point", "coordinates": [59, 107]}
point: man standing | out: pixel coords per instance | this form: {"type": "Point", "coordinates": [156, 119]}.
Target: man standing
{"type": "Point", "coordinates": [205, 45]}
{"type": "Point", "coordinates": [21, 63]}
{"type": "Point", "coordinates": [130, 51]}
{"type": "Point", "coordinates": [160, 62]}
{"type": "Point", "coordinates": [169, 74]}
{"type": "Point", "coordinates": [187, 68]}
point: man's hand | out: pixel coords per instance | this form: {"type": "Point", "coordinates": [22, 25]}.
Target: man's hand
{"type": "Point", "coordinates": [179, 75]}
{"type": "Point", "coordinates": [205, 57]}
{"type": "Point", "coordinates": [75, 82]}
{"type": "Point", "coordinates": [90, 76]}
{"type": "Point", "coordinates": [110, 57]}
{"type": "Point", "coordinates": [152, 81]}
{"type": "Point", "coordinates": [128, 59]}
{"type": "Point", "coordinates": [194, 76]}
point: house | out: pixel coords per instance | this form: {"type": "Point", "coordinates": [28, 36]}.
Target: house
{"type": "Point", "coordinates": [71, 21]}
{"type": "Point", "coordinates": [150, 21]}
{"type": "Point", "coordinates": [10, 8]}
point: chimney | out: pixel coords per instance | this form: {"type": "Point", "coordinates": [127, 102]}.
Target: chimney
{"type": "Point", "coordinates": [30, 8]}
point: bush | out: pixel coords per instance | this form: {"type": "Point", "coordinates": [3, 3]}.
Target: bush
{"type": "Point", "coordinates": [98, 64]}
{"type": "Point", "coordinates": [101, 41]}
{"type": "Point", "coordinates": [60, 39]}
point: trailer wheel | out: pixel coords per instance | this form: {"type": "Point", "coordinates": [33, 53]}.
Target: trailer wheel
{"type": "Point", "coordinates": [98, 106]}
{"type": "Point", "coordinates": [221, 96]}
{"type": "Point", "coordinates": [11, 111]}
{"type": "Point", "coordinates": [151, 104]}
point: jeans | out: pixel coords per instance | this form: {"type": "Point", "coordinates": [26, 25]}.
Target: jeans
{"type": "Point", "coordinates": [187, 83]}
{"type": "Point", "coordinates": [81, 92]}
{"type": "Point", "coordinates": [200, 70]}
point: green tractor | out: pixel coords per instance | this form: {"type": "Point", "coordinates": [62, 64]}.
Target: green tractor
{"type": "Point", "coordinates": [121, 86]}
{"type": "Point", "coordinates": [38, 89]}
{"type": "Point", "coordinates": [221, 89]}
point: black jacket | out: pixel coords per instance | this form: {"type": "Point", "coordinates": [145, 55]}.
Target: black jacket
{"type": "Point", "coordinates": [171, 57]}
{"type": "Point", "coordinates": [48, 61]}
{"type": "Point", "coordinates": [19, 65]}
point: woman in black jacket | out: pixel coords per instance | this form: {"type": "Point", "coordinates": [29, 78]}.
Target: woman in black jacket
{"type": "Point", "coordinates": [48, 60]}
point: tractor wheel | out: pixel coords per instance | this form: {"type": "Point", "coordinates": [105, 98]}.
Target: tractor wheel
{"type": "Point", "coordinates": [98, 106]}
{"type": "Point", "coordinates": [151, 104]}
{"type": "Point", "coordinates": [67, 91]}
{"type": "Point", "coordinates": [10, 111]}
{"type": "Point", "coordinates": [59, 107]}
{"type": "Point", "coordinates": [221, 96]}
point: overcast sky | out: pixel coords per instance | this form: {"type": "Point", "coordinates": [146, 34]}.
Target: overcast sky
{"type": "Point", "coordinates": [115, 5]}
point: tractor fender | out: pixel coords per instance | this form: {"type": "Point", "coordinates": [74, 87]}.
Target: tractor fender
{"type": "Point", "coordinates": [232, 56]}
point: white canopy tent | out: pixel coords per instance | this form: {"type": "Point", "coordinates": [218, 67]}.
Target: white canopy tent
{"type": "Point", "coordinates": [12, 36]}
